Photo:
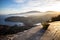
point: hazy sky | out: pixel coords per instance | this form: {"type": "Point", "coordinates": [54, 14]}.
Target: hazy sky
{"type": "Point", "coordinates": [16, 6]}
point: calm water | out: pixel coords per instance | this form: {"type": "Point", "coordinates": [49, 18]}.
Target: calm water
{"type": "Point", "coordinates": [3, 22]}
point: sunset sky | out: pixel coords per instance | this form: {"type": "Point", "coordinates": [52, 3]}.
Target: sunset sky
{"type": "Point", "coordinates": [17, 6]}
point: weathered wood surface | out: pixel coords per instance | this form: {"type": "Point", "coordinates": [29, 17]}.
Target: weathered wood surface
{"type": "Point", "coordinates": [53, 32]}
{"type": "Point", "coordinates": [37, 33]}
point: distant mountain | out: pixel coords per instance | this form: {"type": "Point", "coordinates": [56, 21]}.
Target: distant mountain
{"type": "Point", "coordinates": [26, 12]}
{"type": "Point", "coordinates": [33, 12]}
{"type": "Point", "coordinates": [36, 17]}
{"type": "Point", "coordinates": [24, 20]}
{"type": "Point", "coordinates": [15, 19]}
{"type": "Point", "coordinates": [29, 18]}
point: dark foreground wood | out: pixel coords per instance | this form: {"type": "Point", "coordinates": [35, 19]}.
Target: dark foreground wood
{"type": "Point", "coordinates": [37, 33]}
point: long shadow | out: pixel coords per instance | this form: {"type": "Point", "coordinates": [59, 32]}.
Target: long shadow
{"type": "Point", "coordinates": [37, 35]}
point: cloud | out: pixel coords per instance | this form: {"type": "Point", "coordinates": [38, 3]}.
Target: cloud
{"type": "Point", "coordinates": [40, 4]}
{"type": "Point", "coordinates": [35, 3]}
{"type": "Point", "coordinates": [27, 5]}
